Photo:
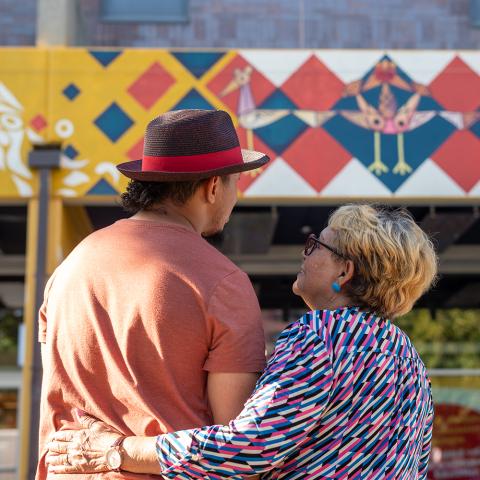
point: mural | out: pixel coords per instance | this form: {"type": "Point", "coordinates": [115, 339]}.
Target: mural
{"type": "Point", "coordinates": [20, 75]}
{"type": "Point", "coordinates": [336, 124]}
{"type": "Point", "coordinates": [12, 136]}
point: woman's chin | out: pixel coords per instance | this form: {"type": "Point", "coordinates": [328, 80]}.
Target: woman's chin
{"type": "Point", "coordinates": [295, 287]}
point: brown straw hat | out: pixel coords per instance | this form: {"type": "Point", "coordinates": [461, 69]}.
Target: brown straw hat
{"type": "Point", "coordinates": [190, 145]}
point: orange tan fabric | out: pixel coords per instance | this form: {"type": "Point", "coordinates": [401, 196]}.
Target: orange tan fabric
{"type": "Point", "coordinates": [133, 320]}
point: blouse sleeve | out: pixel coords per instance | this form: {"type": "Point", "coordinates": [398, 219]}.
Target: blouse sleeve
{"type": "Point", "coordinates": [286, 405]}
{"type": "Point", "coordinates": [426, 445]}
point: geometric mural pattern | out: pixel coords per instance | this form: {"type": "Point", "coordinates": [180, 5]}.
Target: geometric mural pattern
{"type": "Point", "coordinates": [336, 124]}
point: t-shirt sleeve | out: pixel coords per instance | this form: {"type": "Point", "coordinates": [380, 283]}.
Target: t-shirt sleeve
{"type": "Point", "coordinates": [237, 338]}
{"type": "Point", "coordinates": [42, 314]}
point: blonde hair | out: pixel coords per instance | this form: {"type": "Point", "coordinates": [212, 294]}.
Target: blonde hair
{"type": "Point", "coordinates": [394, 260]}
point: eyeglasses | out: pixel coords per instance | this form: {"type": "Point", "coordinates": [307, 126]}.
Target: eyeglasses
{"type": "Point", "coordinates": [313, 242]}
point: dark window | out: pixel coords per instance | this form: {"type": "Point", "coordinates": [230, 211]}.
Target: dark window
{"type": "Point", "coordinates": [145, 11]}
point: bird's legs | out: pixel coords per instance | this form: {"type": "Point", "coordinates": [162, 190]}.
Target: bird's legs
{"type": "Point", "coordinates": [378, 167]}
{"type": "Point", "coordinates": [402, 167]}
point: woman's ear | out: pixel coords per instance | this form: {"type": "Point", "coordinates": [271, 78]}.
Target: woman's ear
{"type": "Point", "coordinates": [347, 272]}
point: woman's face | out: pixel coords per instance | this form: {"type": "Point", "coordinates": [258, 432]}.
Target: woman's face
{"type": "Point", "coordinates": [318, 272]}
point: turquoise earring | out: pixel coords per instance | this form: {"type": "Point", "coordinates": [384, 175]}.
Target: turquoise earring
{"type": "Point", "coordinates": [336, 287]}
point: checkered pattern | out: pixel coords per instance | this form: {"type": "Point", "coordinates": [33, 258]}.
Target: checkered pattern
{"type": "Point", "coordinates": [337, 124]}
{"type": "Point", "coordinates": [344, 396]}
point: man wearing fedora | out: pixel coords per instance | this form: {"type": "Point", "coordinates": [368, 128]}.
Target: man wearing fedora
{"type": "Point", "coordinates": [145, 325]}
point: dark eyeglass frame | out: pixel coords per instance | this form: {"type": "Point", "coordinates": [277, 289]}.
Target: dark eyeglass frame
{"type": "Point", "coordinates": [313, 242]}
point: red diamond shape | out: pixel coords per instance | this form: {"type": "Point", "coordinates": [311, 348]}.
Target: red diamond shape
{"type": "Point", "coordinates": [38, 122]}
{"type": "Point", "coordinates": [317, 157]}
{"type": "Point", "coordinates": [458, 157]}
{"type": "Point", "coordinates": [457, 87]}
{"type": "Point", "coordinates": [313, 86]}
{"type": "Point", "coordinates": [136, 152]}
{"type": "Point", "coordinates": [151, 85]}
{"type": "Point", "coordinates": [260, 86]}
{"type": "Point", "coordinates": [247, 178]}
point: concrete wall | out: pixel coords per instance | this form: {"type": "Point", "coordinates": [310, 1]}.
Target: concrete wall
{"type": "Point", "coordinates": [17, 22]}
{"type": "Point", "coordinates": [423, 24]}
{"type": "Point", "coordinates": [443, 24]}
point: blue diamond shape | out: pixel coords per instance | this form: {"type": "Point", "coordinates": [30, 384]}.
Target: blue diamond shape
{"type": "Point", "coordinates": [198, 63]}
{"type": "Point", "coordinates": [475, 128]}
{"type": "Point", "coordinates": [346, 103]}
{"type": "Point", "coordinates": [278, 100]}
{"type": "Point", "coordinates": [281, 134]}
{"type": "Point", "coordinates": [419, 144]}
{"type": "Point", "coordinates": [71, 91]}
{"type": "Point", "coordinates": [113, 122]}
{"type": "Point", "coordinates": [105, 57]}
{"type": "Point", "coordinates": [428, 103]}
{"type": "Point", "coordinates": [70, 151]}
{"type": "Point", "coordinates": [193, 100]}
{"type": "Point", "coordinates": [102, 187]}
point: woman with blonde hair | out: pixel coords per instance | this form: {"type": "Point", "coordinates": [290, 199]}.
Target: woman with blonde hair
{"type": "Point", "coordinates": [344, 395]}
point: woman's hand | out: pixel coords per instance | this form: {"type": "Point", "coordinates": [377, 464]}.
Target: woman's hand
{"type": "Point", "coordinates": [81, 451]}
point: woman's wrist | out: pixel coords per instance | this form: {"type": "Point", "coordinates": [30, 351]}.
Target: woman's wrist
{"type": "Point", "coordinates": [140, 455]}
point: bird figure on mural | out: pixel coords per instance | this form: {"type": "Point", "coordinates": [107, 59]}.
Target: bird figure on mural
{"type": "Point", "coordinates": [387, 119]}
{"type": "Point", "coordinates": [249, 116]}
{"type": "Point", "coordinates": [390, 118]}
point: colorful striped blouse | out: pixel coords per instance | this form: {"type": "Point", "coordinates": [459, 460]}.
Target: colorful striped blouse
{"type": "Point", "coordinates": [344, 396]}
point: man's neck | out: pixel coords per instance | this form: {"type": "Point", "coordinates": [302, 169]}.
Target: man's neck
{"type": "Point", "coordinates": [167, 214]}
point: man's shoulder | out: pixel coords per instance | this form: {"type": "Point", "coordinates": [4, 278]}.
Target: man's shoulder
{"type": "Point", "coordinates": [171, 248]}
{"type": "Point", "coordinates": [202, 256]}
{"type": "Point", "coordinates": [217, 258]}
{"type": "Point", "coordinates": [217, 269]}
{"type": "Point", "coordinates": [91, 243]}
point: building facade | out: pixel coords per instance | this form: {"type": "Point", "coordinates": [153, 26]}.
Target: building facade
{"type": "Point", "coordinates": [352, 100]}
{"type": "Point", "coordinates": [372, 24]}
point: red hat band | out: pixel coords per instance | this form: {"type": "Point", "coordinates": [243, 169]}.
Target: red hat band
{"type": "Point", "coordinates": [193, 163]}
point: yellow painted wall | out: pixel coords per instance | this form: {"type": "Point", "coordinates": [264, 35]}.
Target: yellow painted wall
{"type": "Point", "coordinates": [34, 107]}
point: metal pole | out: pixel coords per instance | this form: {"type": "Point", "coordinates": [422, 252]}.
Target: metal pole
{"type": "Point", "coordinates": [40, 276]}
{"type": "Point", "coordinates": [44, 160]}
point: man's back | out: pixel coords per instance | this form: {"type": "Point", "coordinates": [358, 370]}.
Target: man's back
{"type": "Point", "coordinates": [134, 320]}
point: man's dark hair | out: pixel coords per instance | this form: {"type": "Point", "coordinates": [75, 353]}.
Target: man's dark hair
{"type": "Point", "coordinates": [143, 195]}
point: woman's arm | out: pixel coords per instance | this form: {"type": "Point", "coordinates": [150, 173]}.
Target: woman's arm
{"type": "Point", "coordinates": [426, 445]}
{"type": "Point", "coordinates": [288, 402]}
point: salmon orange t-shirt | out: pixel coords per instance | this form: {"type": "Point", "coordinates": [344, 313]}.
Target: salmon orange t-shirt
{"type": "Point", "coordinates": [132, 322]}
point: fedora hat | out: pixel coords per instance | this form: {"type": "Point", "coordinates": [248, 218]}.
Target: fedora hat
{"type": "Point", "coordinates": [190, 145]}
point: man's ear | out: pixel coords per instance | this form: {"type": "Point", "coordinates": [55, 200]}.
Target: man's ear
{"type": "Point", "coordinates": [211, 187]}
